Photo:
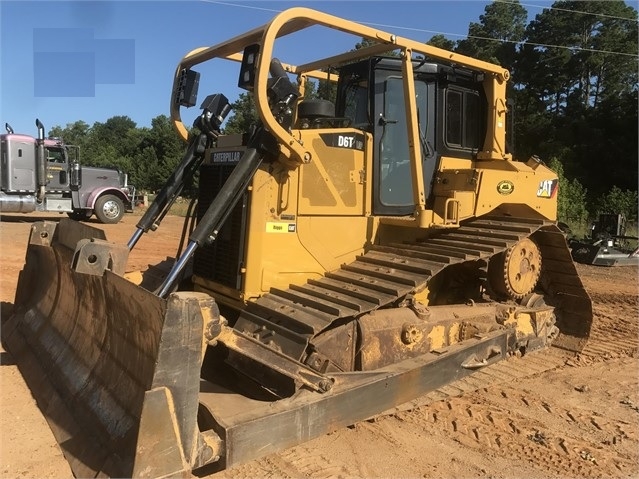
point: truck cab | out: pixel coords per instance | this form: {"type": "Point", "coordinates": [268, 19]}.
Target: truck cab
{"type": "Point", "coordinates": [45, 174]}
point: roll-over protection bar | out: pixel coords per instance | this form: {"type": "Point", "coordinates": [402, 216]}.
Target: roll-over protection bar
{"type": "Point", "coordinates": [296, 19]}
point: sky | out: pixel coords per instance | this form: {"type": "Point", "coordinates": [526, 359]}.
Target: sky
{"type": "Point", "coordinates": [82, 60]}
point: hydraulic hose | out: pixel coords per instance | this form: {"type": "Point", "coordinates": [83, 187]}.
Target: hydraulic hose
{"type": "Point", "coordinates": [208, 227]}
{"type": "Point", "coordinates": [171, 189]}
{"type": "Point", "coordinates": [283, 94]}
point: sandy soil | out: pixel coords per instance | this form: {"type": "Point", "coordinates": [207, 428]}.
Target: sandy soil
{"type": "Point", "coordinates": [541, 416]}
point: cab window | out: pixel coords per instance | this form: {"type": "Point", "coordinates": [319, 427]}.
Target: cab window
{"type": "Point", "coordinates": [55, 155]}
{"type": "Point", "coordinates": [462, 114]}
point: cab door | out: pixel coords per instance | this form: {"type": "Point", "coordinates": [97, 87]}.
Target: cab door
{"type": "Point", "coordinates": [392, 175]}
{"type": "Point", "coordinates": [57, 169]}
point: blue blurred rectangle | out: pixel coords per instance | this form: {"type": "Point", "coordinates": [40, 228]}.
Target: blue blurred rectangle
{"type": "Point", "coordinates": [114, 61]}
{"type": "Point", "coordinates": [64, 74]}
{"type": "Point", "coordinates": [69, 62]}
{"type": "Point", "coordinates": [62, 40]}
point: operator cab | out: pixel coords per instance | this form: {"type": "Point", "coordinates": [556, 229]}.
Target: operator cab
{"type": "Point", "coordinates": [451, 110]}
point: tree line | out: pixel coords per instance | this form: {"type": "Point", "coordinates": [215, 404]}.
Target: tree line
{"type": "Point", "coordinates": [574, 85]}
{"type": "Point", "coordinates": [147, 155]}
{"type": "Point", "coordinates": [574, 89]}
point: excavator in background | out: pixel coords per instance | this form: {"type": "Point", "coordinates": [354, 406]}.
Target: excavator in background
{"type": "Point", "coordinates": [346, 255]}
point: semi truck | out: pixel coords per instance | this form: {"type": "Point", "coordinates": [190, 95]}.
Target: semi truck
{"type": "Point", "coordinates": [44, 174]}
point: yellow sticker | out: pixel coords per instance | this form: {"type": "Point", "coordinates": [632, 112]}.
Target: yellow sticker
{"type": "Point", "coordinates": [276, 227]}
{"type": "Point", "coordinates": [505, 187]}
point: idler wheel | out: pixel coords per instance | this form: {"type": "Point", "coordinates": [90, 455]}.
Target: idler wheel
{"type": "Point", "coordinates": [515, 272]}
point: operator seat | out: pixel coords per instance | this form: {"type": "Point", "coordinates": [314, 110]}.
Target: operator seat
{"type": "Point", "coordinates": [317, 113]}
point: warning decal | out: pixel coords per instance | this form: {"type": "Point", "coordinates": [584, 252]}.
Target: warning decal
{"type": "Point", "coordinates": [276, 227]}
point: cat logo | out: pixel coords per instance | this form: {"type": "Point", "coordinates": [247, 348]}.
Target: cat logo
{"type": "Point", "coordinates": [226, 156]}
{"type": "Point", "coordinates": [548, 188]}
{"type": "Point", "coordinates": [505, 187]}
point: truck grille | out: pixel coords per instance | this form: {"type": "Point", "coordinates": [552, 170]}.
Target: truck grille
{"type": "Point", "coordinates": [221, 261]}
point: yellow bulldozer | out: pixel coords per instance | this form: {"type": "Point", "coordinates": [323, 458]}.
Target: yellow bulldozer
{"type": "Point", "coordinates": [346, 255]}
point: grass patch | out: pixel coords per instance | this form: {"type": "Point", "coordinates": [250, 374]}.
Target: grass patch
{"type": "Point", "coordinates": [179, 208]}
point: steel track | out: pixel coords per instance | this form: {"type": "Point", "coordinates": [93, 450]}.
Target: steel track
{"type": "Point", "coordinates": [383, 275]}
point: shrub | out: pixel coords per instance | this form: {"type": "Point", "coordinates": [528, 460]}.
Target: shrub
{"type": "Point", "coordinates": [571, 200]}
{"type": "Point", "coordinates": [617, 201]}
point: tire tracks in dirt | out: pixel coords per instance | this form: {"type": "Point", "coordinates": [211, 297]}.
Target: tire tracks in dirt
{"type": "Point", "coordinates": [550, 435]}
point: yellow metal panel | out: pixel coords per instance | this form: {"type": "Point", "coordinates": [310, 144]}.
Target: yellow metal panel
{"type": "Point", "coordinates": [448, 163]}
{"type": "Point", "coordinates": [333, 241]}
{"type": "Point", "coordinates": [528, 191]}
{"type": "Point", "coordinates": [465, 202]}
{"type": "Point", "coordinates": [524, 188]}
{"type": "Point", "coordinates": [289, 248]}
{"type": "Point", "coordinates": [273, 202]}
{"type": "Point", "coordinates": [450, 181]}
{"type": "Point", "coordinates": [334, 182]}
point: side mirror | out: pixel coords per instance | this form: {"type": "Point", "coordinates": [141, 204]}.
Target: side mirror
{"type": "Point", "coordinates": [186, 90]}
{"type": "Point", "coordinates": [247, 70]}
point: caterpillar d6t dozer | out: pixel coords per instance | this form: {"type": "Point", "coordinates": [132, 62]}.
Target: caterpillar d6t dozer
{"type": "Point", "coordinates": [347, 254]}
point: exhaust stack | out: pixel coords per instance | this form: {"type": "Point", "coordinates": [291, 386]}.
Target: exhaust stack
{"type": "Point", "coordinates": [41, 167]}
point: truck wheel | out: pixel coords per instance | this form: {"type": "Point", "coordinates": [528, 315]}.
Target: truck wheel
{"type": "Point", "coordinates": [109, 209]}
{"type": "Point", "coordinates": [80, 215]}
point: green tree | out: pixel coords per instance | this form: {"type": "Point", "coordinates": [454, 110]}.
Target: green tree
{"type": "Point", "coordinates": [579, 53]}
{"type": "Point", "coordinates": [495, 37]}
{"type": "Point", "coordinates": [243, 115]}
{"type": "Point", "coordinates": [75, 133]}
{"type": "Point", "coordinates": [605, 143]}
{"type": "Point", "coordinates": [619, 201]}
{"type": "Point", "coordinates": [147, 155]}
{"type": "Point", "coordinates": [168, 145]}
{"type": "Point", "coordinates": [146, 173]}
{"type": "Point", "coordinates": [440, 41]}
{"type": "Point", "coordinates": [113, 131]}
{"type": "Point", "coordinates": [158, 152]}
{"type": "Point", "coordinates": [112, 143]}
{"type": "Point", "coordinates": [577, 92]}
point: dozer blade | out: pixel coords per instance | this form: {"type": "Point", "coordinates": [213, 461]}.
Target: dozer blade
{"type": "Point", "coordinates": [105, 358]}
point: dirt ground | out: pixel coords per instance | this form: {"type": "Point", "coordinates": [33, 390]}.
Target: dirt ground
{"type": "Point", "coordinates": [546, 417]}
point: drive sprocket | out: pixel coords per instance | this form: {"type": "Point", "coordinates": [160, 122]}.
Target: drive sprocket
{"type": "Point", "coordinates": [515, 272]}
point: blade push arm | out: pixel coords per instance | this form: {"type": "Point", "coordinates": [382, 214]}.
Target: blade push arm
{"type": "Point", "coordinates": [283, 95]}
{"type": "Point", "coordinates": [215, 108]}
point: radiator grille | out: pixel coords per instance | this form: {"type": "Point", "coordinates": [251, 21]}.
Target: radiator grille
{"type": "Point", "coordinates": [221, 262]}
